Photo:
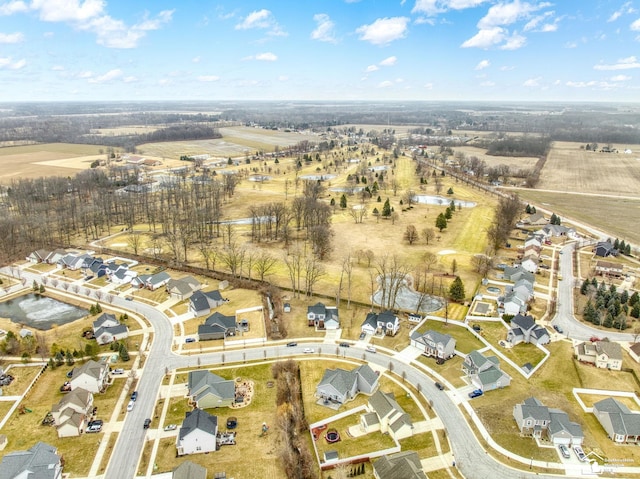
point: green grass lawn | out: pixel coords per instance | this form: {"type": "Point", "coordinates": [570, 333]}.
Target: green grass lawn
{"type": "Point", "coordinates": [465, 340]}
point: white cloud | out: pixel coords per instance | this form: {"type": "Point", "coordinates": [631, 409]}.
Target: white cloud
{"type": "Point", "coordinates": [7, 62]}
{"type": "Point", "coordinates": [165, 81]}
{"type": "Point", "coordinates": [385, 84]}
{"type": "Point", "coordinates": [485, 38]}
{"type": "Point", "coordinates": [11, 37]}
{"type": "Point", "coordinates": [482, 65]}
{"type": "Point", "coordinates": [428, 86]}
{"type": "Point", "coordinates": [107, 77]}
{"type": "Point", "coordinates": [433, 7]}
{"type": "Point", "coordinates": [12, 7]}
{"type": "Point", "coordinates": [324, 31]}
{"type": "Point", "coordinates": [266, 57]}
{"type": "Point", "coordinates": [622, 64]}
{"type": "Point", "coordinates": [571, 45]}
{"type": "Point", "coordinates": [263, 20]}
{"type": "Point", "coordinates": [508, 13]}
{"type": "Point", "coordinates": [130, 79]}
{"type": "Point", "coordinates": [57, 68]}
{"type": "Point", "coordinates": [597, 85]}
{"type": "Point", "coordinates": [85, 74]}
{"type": "Point", "coordinates": [68, 10]}
{"type": "Point", "coordinates": [283, 78]}
{"type": "Point", "coordinates": [514, 42]}
{"type": "Point", "coordinates": [115, 33]}
{"type": "Point", "coordinates": [635, 26]}
{"type": "Point", "coordinates": [387, 62]}
{"type": "Point", "coordinates": [624, 9]}
{"type": "Point", "coordinates": [620, 78]}
{"type": "Point", "coordinates": [532, 82]}
{"type": "Point", "coordinates": [384, 30]}
{"type": "Point", "coordinates": [208, 78]}
{"type": "Point", "coordinates": [507, 68]}
{"type": "Point", "coordinates": [424, 20]}
{"type": "Point", "coordinates": [372, 68]}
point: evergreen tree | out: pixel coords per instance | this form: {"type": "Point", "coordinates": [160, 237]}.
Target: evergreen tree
{"type": "Point", "coordinates": [627, 249]}
{"type": "Point", "coordinates": [634, 299]}
{"type": "Point", "coordinates": [52, 364]}
{"type": "Point", "coordinates": [441, 222]}
{"type": "Point", "coordinates": [124, 354]}
{"type": "Point", "coordinates": [452, 206]}
{"type": "Point", "coordinates": [589, 312]}
{"type": "Point", "coordinates": [447, 213]}
{"type": "Point", "coordinates": [635, 311]}
{"type": "Point", "coordinates": [616, 244]}
{"type": "Point", "coordinates": [386, 209]}
{"type": "Point", "coordinates": [533, 210]}
{"type": "Point", "coordinates": [456, 290]}
{"type": "Point", "coordinates": [332, 202]}
{"type": "Point", "coordinates": [528, 209]}
{"type": "Point", "coordinates": [98, 308]}
{"type": "Point", "coordinates": [624, 296]}
{"type": "Point", "coordinates": [450, 190]}
{"type": "Point", "coordinates": [34, 286]}
{"type": "Point", "coordinates": [585, 287]}
{"type": "Point", "coordinates": [59, 357]}
{"type": "Point", "coordinates": [69, 358]}
{"type": "Point", "coordinates": [41, 290]}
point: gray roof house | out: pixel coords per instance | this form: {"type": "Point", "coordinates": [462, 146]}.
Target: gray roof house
{"type": "Point", "coordinates": [514, 302]}
{"type": "Point", "coordinates": [484, 371]}
{"type": "Point", "coordinates": [217, 326]}
{"type": "Point", "coordinates": [189, 470]}
{"type": "Point", "coordinates": [435, 344]}
{"type": "Point", "coordinates": [183, 288]}
{"type": "Point", "coordinates": [390, 418]}
{"type": "Point", "coordinates": [539, 421]}
{"type": "Point", "coordinates": [604, 249]}
{"type": "Point", "coordinates": [107, 329]}
{"type": "Point", "coordinates": [208, 390]}
{"type": "Point", "coordinates": [40, 462]}
{"type": "Point", "coordinates": [523, 329]}
{"type": "Point", "coordinates": [530, 263]}
{"type": "Point", "coordinates": [514, 274]}
{"type": "Point", "coordinates": [386, 323]}
{"type": "Point", "coordinates": [197, 434]}
{"type": "Point", "coordinates": [603, 354]}
{"type": "Point", "coordinates": [92, 376]}
{"type": "Point", "coordinates": [401, 465]}
{"type": "Point", "coordinates": [71, 412]}
{"type": "Point", "coordinates": [340, 386]}
{"type": "Point", "coordinates": [201, 303]}
{"type": "Point", "coordinates": [622, 425]}
{"type": "Point", "coordinates": [323, 317]}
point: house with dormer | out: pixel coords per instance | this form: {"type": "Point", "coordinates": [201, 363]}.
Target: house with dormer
{"type": "Point", "coordinates": [107, 329]}
{"type": "Point", "coordinates": [387, 416]}
{"type": "Point", "coordinates": [524, 329]}
{"type": "Point", "coordinates": [484, 371]}
{"type": "Point", "coordinates": [197, 434]}
{"type": "Point", "coordinates": [323, 317]}
{"type": "Point", "coordinates": [434, 344]}
{"type": "Point", "coordinates": [208, 390]}
{"type": "Point", "coordinates": [385, 323]}
{"type": "Point", "coordinates": [541, 422]}
{"type": "Point", "coordinates": [603, 354]}
{"type": "Point", "coordinates": [339, 385]}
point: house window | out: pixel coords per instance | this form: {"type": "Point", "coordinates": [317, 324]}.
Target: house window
{"type": "Point", "coordinates": [198, 448]}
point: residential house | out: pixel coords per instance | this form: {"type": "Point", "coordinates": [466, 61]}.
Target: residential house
{"type": "Point", "coordinates": [92, 376]}
{"type": "Point", "coordinates": [634, 352]}
{"type": "Point", "coordinates": [107, 329]}
{"type": "Point", "coordinates": [323, 317]}
{"type": "Point", "coordinates": [217, 326]}
{"type": "Point", "coordinates": [38, 256]}
{"type": "Point", "coordinates": [339, 385]}
{"type": "Point", "coordinates": [183, 288]}
{"type": "Point", "coordinates": [517, 273]}
{"type": "Point", "coordinates": [207, 390]}
{"type": "Point", "coordinates": [484, 371]}
{"type": "Point", "coordinates": [55, 256]}
{"type": "Point", "coordinates": [197, 434]}
{"type": "Point", "coordinates": [530, 263]}
{"type": "Point", "coordinates": [73, 261]}
{"type": "Point", "coordinates": [533, 240]}
{"type": "Point", "coordinates": [401, 465]}
{"type": "Point", "coordinates": [523, 329]}
{"type": "Point", "coordinates": [531, 249]}
{"type": "Point", "coordinates": [514, 302]}
{"type": "Point", "coordinates": [622, 425]}
{"type": "Point", "coordinates": [604, 249]}
{"type": "Point", "coordinates": [201, 303]}
{"type": "Point", "coordinates": [604, 354]}
{"type": "Point", "coordinates": [70, 414]}
{"type": "Point", "coordinates": [524, 286]}
{"type": "Point", "coordinates": [39, 462]}
{"type": "Point", "coordinates": [189, 470]}
{"type": "Point", "coordinates": [151, 281]}
{"type": "Point", "coordinates": [435, 344]}
{"type": "Point", "coordinates": [607, 268]}
{"type": "Point", "coordinates": [558, 230]}
{"type": "Point", "coordinates": [386, 323]}
{"type": "Point", "coordinates": [120, 273]}
{"type": "Point", "coordinates": [387, 416]}
{"type": "Point", "coordinates": [541, 422]}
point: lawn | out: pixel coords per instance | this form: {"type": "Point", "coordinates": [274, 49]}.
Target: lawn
{"type": "Point", "coordinates": [422, 443]}
{"type": "Point", "coordinates": [22, 377]}
{"type": "Point", "coordinates": [465, 340]}
{"type": "Point", "coordinates": [451, 370]}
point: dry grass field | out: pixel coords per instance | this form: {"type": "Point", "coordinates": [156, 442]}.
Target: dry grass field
{"type": "Point", "coordinates": [514, 163]}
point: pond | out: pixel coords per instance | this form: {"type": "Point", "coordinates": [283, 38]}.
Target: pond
{"type": "Point", "coordinates": [40, 312]}
{"type": "Point", "coordinates": [317, 177]}
{"type": "Point", "coordinates": [441, 200]}
{"type": "Point", "coordinates": [493, 289]}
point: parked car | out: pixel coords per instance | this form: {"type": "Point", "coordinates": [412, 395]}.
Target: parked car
{"type": "Point", "coordinates": [134, 395]}
{"type": "Point", "coordinates": [558, 328]}
{"type": "Point", "coordinates": [308, 350]}
{"type": "Point", "coordinates": [439, 386]}
{"type": "Point", "coordinates": [130, 406]}
{"type": "Point", "coordinates": [147, 423]}
{"type": "Point", "coordinates": [564, 450]}
{"type": "Point", "coordinates": [129, 298]}
{"type": "Point", "coordinates": [362, 336]}
{"type": "Point", "coordinates": [475, 393]}
{"type": "Point", "coordinates": [232, 422]}
{"type": "Point", "coordinates": [291, 345]}
{"type": "Point", "coordinates": [118, 371]}
{"type": "Point", "coordinates": [170, 427]}
{"type": "Point", "coordinates": [190, 340]}
{"type": "Point", "coordinates": [582, 457]}
{"type": "Point", "coordinates": [94, 426]}
{"type": "Point", "coordinates": [344, 345]}
{"type": "Point", "coordinates": [371, 349]}
{"type": "Point", "coordinates": [476, 327]}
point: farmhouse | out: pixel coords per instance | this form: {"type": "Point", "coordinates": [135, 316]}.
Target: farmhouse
{"type": "Point", "coordinates": [207, 390]}
{"type": "Point", "coordinates": [523, 329]}
{"type": "Point", "coordinates": [197, 434]}
{"type": "Point", "coordinates": [39, 462]}
{"type": "Point", "coordinates": [401, 465]}
{"type": "Point", "coordinates": [433, 343]}
{"type": "Point", "coordinates": [217, 326]}
{"type": "Point", "coordinates": [323, 317]}
{"type": "Point", "coordinates": [386, 323]}
{"type": "Point", "coordinates": [484, 372]}
{"type": "Point", "coordinates": [92, 376]}
{"type": "Point", "coordinates": [339, 386]}
{"type": "Point", "coordinates": [541, 422]}
{"type": "Point", "coordinates": [622, 425]}
{"type": "Point", "coordinates": [201, 303]}
{"type": "Point", "coordinates": [603, 354]}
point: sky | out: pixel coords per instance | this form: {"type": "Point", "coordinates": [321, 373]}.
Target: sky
{"type": "Point", "coordinates": [371, 50]}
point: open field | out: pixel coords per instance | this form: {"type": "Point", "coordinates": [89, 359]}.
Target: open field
{"type": "Point", "coordinates": [51, 159]}
{"type": "Point", "coordinates": [514, 163]}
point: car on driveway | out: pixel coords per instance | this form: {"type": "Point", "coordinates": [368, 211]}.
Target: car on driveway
{"type": "Point", "coordinates": [118, 371]}
{"type": "Point", "coordinates": [190, 340]}
{"type": "Point", "coordinates": [439, 386]}
{"type": "Point", "coordinates": [362, 336]}
{"type": "Point", "coordinates": [94, 426]}
{"type": "Point", "coordinates": [475, 393]}
{"type": "Point", "coordinates": [582, 457]}
{"type": "Point", "coordinates": [558, 329]}
{"type": "Point", "coordinates": [564, 450]}
{"type": "Point", "coordinates": [292, 345]}
{"type": "Point", "coordinates": [170, 427]}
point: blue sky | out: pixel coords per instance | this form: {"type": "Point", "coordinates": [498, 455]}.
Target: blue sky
{"type": "Point", "coordinates": [567, 50]}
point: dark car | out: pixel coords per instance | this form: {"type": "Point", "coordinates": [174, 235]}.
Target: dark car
{"type": "Point", "coordinates": [475, 393]}
{"type": "Point", "coordinates": [129, 298]}
{"type": "Point", "coordinates": [94, 426]}
{"type": "Point", "coordinates": [362, 335]}
{"type": "Point", "coordinates": [232, 422]}
{"type": "Point", "coordinates": [558, 328]}
{"type": "Point", "coordinates": [134, 395]}
{"type": "Point", "coordinates": [190, 340]}
{"type": "Point", "coordinates": [476, 327]}
{"type": "Point", "coordinates": [439, 386]}
{"type": "Point", "coordinates": [344, 345]}
{"type": "Point", "coordinates": [291, 345]}
{"type": "Point", "coordinates": [147, 423]}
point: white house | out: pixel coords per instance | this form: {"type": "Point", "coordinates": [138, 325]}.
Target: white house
{"type": "Point", "coordinates": [433, 343]}
{"type": "Point", "coordinates": [386, 323]}
{"type": "Point", "coordinates": [92, 376]}
{"type": "Point", "coordinates": [71, 412]}
{"type": "Point", "coordinates": [197, 434]}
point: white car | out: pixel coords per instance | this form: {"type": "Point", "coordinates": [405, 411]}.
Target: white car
{"type": "Point", "coordinates": [580, 453]}
{"type": "Point", "coordinates": [308, 350]}
{"type": "Point", "coordinates": [130, 406]}
{"type": "Point", "coordinates": [371, 349]}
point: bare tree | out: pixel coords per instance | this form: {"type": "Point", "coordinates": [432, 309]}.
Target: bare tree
{"type": "Point", "coordinates": [134, 241]}
{"type": "Point", "coordinates": [293, 262]}
{"type": "Point", "coordinates": [264, 264]}
{"type": "Point", "coordinates": [358, 213]}
{"type": "Point", "coordinates": [411, 234]}
{"type": "Point", "coordinates": [428, 234]}
{"type": "Point", "coordinates": [313, 271]}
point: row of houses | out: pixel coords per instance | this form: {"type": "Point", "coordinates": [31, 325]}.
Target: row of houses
{"type": "Point", "coordinates": [517, 296]}
{"type": "Point", "coordinates": [385, 323]}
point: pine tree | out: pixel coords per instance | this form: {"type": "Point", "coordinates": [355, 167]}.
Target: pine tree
{"type": "Point", "coordinates": [124, 354]}
{"type": "Point", "coordinates": [441, 222]}
{"type": "Point", "coordinates": [456, 290]}
{"type": "Point", "coordinates": [634, 299]}
{"type": "Point", "coordinates": [69, 358]}
{"type": "Point", "coordinates": [585, 287]}
{"type": "Point", "coordinates": [447, 213]}
{"type": "Point", "coordinates": [528, 209]}
{"type": "Point", "coordinates": [635, 311]}
{"type": "Point", "coordinates": [450, 190]}
{"type": "Point", "coordinates": [386, 209]}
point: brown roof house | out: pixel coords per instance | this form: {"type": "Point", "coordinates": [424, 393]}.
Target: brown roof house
{"type": "Point", "coordinates": [401, 465]}
{"type": "Point", "coordinates": [387, 416]}
{"type": "Point", "coordinates": [603, 354]}
{"type": "Point", "coordinates": [92, 376]}
{"type": "Point", "coordinates": [71, 412]}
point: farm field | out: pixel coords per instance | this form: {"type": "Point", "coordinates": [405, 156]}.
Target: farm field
{"type": "Point", "coordinates": [514, 163]}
